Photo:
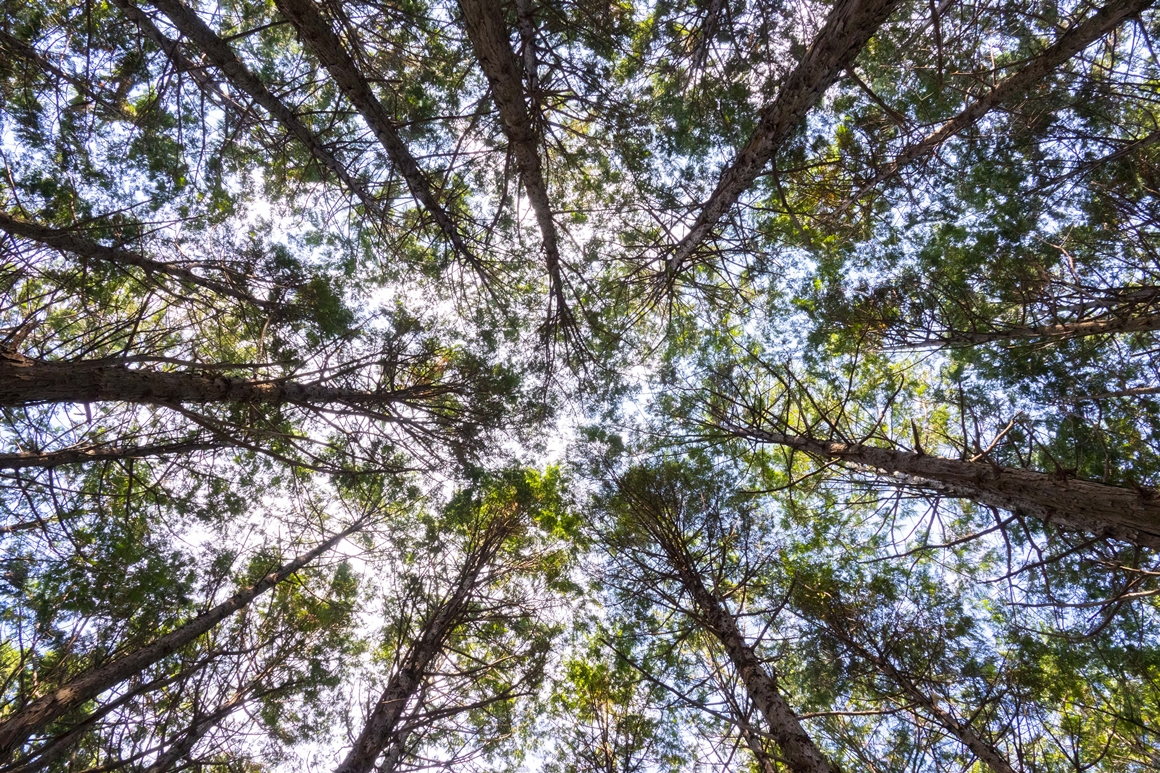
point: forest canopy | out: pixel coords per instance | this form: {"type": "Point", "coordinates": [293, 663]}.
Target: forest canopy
{"type": "Point", "coordinates": [579, 386]}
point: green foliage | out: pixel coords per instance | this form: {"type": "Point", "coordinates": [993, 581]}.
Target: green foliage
{"type": "Point", "coordinates": [375, 338]}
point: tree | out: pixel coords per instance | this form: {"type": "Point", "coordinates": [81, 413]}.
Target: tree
{"type": "Point", "coordinates": [658, 507]}
{"type": "Point", "coordinates": [84, 687]}
{"type": "Point", "coordinates": [734, 384]}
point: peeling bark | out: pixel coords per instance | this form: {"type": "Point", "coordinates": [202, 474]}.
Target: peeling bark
{"type": "Point", "coordinates": [848, 28]}
{"type": "Point", "coordinates": [321, 40]}
{"type": "Point", "coordinates": [484, 20]}
{"type": "Point", "coordinates": [69, 241]}
{"type": "Point", "coordinates": [38, 713]}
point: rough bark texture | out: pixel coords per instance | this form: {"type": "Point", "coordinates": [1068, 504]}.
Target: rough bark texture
{"type": "Point", "coordinates": [69, 241]}
{"type": "Point", "coordinates": [382, 724]}
{"type": "Point", "coordinates": [87, 686]}
{"type": "Point", "coordinates": [1096, 508]}
{"type": "Point", "coordinates": [396, 749]}
{"type": "Point", "coordinates": [318, 36]}
{"type": "Point", "coordinates": [488, 32]}
{"type": "Point", "coordinates": [78, 455]}
{"type": "Point", "coordinates": [849, 26]}
{"type": "Point", "coordinates": [25, 381]}
{"type": "Point", "coordinates": [1069, 44]}
{"type": "Point", "coordinates": [191, 26]}
{"type": "Point", "coordinates": [962, 731]}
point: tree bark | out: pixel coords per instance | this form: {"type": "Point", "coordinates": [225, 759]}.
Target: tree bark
{"type": "Point", "coordinates": [69, 241]}
{"type": "Point", "coordinates": [957, 338]}
{"type": "Point", "coordinates": [191, 26]}
{"type": "Point", "coordinates": [318, 36]}
{"type": "Point", "coordinates": [848, 28]}
{"type": "Point", "coordinates": [1096, 508]}
{"type": "Point", "coordinates": [25, 381]}
{"type": "Point", "coordinates": [798, 750]}
{"type": "Point", "coordinates": [382, 724]}
{"type": "Point", "coordinates": [94, 453]}
{"type": "Point", "coordinates": [1069, 44]}
{"type": "Point", "coordinates": [38, 713]}
{"type": "Point", "coordinates": [484, 20]}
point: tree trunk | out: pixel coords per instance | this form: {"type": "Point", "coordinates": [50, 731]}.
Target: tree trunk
{"type": "Point", "coordinates": [181, 749]}
{"type": "Point", "coordinates": [1136, 324]}
{"type": "Point", "coordinates": [396, 748]}
{"type": "Point", "coordinates": [94, 453]}
{"type": "Point", "coordinates": [489, 37]}
{"type": "Point", "coordinates": [29, 382]}
{"type": "Point", "coordinates": [191, 26]}
{"type": "Point", "coordinates": [848, 28]}
{"type": "Point", "coordinates": [68, 241]}
{"type": "Point", "coordinates": [1097, 508]}
{"type": "Point", "coordinates": [318, 36]}
{"type": "Point", "coordinates": [798, 750]}
{"type": "Point", "coordinates": [382, 724]}
{"type": "Point", "coordinates": [1069, 44]}
{"type": "Point", "coordinates": [38, 713]}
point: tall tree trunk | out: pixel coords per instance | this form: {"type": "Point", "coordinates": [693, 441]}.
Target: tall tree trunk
{"type": "Point", "coordinates": [1075, 40]}
{"type": "Point", "coordinates": [181, 748]}
{"type": "Point", "coordinates": [1097, 508]}
{"type": "Point", "coordinates": [58, 747]}
{"type": "Point", "coordinates": [849, 26]}
{"type": "Point", "coordinates": [219, 52]}
{"type": "Point", "coordinates": [25, 381]}
{"type": "Point", "coordinates": [38, 713]}
{"type": "Point", "coordinates": [798, 750]}
{"type": "Point", "coordinates": [69, 241]}
{"type": "Point", "coordinates": [489, 37]}
{"type": "Point", "coordinates": [396, 749]}
{"type": "Point", "coordinates": [321, 40]}
{"type": "Point", "coordinates": [382, 724]}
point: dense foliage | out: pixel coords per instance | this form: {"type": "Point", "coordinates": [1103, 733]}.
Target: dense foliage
{"type": "Point", "coordinates": [577, 386]}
